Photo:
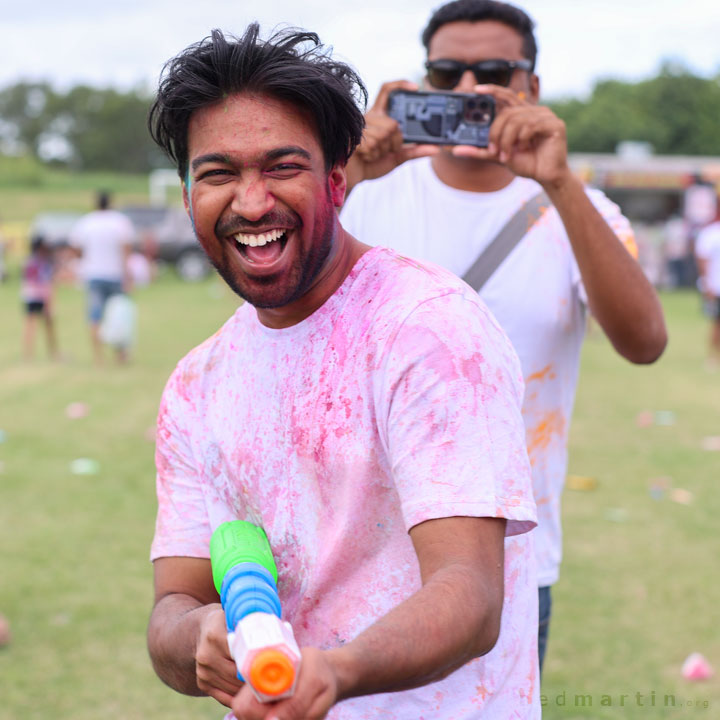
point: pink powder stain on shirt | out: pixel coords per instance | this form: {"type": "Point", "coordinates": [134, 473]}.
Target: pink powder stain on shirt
{"type": "Point", "coordinates": [337, 455]}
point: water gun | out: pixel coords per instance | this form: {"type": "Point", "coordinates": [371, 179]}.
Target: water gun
{"type": "Point", "coordinates": [262, 645]}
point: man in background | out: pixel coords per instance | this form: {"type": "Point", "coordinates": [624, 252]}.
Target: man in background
{"type": "Point", "coordinates": [448, 206]}
{"type": "Point", "coordinates": [707, 253]}
{"type": "Point", "coordinates": [103, 239]}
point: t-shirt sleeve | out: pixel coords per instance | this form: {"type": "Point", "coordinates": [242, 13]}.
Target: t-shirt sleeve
{"type": "Point", "coordinates": [182, 526]}
{"type": "Point", "coordinates": [76, 235]}
{"type": "Point", "coordinates": [128, 230]}
{"type": "Point", "coordinates": [618, 223]}
{"type": "Point", "coordinates": [706, 239]}
{"type": "Point", "coordinates": [451, 419]}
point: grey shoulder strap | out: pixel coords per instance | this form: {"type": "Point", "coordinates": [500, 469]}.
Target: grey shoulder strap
{"type": "Point", "coordinates": [513, 231]}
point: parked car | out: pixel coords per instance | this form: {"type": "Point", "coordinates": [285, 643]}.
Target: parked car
{"type": "Point", "coordinates": [54, 227]}
{"type": "Point", "coordinates": [172, 239]}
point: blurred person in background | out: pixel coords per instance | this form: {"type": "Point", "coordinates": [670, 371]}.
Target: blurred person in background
{"type": "Point", "coordinates": [676, 251]}
{"type": "Point", "coordinates": [571, 255]}
{"type": "Point", "coordinates": [104, 240]}
{"type": "Point", "coordinates": [707, 253]}
{"type": "Point", "coordinates": [36, 291]}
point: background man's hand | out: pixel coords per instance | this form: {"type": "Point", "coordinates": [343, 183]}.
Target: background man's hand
{"type": "Point", "coordinates": [382, 149]}
{"type": "Point", "coordinates": [315, 693]}
{"type": "Point", "coordinates": [529, 139]}
{"type": "Point", "coordinates": [214, 667]}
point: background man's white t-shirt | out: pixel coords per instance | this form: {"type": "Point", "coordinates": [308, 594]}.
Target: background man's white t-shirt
{"type": "Point", "coordinates": [536, 295]}
{"type": "Point", "coordinates": [103, 237]}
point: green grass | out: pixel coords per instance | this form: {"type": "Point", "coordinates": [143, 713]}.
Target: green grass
{"type": "Point", "coordinates": [639, 588]}
{"type": "Point", "coordinates": [75, 579]}
{"type": "Point", "coordinates": [634, 599]}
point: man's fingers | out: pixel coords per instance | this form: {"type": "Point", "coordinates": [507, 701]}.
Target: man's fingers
{"type": "Point", "coordinates": [222, 697]}
{"type": "Point", "coordinates": [410, 152]}
{"type": "Point", "coordinates": [381, 101]}
{"type": "Point", "coordinates": [470, 151]}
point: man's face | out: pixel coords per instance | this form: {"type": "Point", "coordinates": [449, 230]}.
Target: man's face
{"type": "Point", "coordinates": [262, 203]}
{"type": "Point", "coordinates": [471, 42]}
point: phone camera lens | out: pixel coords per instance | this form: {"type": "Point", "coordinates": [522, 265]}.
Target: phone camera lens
{"type": "Point", "coordinates": [471, 104]}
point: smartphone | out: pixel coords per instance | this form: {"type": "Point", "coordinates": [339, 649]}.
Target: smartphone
{"type": "Point", "coordinates": [442, 118]}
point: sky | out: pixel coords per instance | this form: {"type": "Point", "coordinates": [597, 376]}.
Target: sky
{"type": "Point", "coordinates": [125, 44]}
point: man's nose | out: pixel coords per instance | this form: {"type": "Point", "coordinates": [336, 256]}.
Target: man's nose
{"type": "Point", "coordinates": [252, 199]}
{"type": "Point", "coordinates": [467, 82]}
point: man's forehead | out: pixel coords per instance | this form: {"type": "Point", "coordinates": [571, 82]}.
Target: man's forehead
{"type": "Point", "coordinates": [479, 40]}
{"type": "Point", "coordinates": [242, 124]}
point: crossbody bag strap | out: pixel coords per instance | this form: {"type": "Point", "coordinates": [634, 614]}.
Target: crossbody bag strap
{"type": "Point", "coordinates": [511, 234]}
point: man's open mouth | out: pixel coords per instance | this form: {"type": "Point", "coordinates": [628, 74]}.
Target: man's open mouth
{"type": "Point", "coordinates": [262, 248]}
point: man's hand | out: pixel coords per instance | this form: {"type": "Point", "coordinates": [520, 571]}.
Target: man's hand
{"type": "Point", "coordinates": [382, 149]}
{"type": "Point", "coordinates": [315, 693]}
{"type": "Point", "coordinates": [528, 139]}
{"type": "Point", "coordinates": [214, 667]}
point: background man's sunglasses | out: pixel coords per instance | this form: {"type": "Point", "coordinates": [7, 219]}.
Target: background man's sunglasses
{"type": "Point", "coordinates": [446, 74]}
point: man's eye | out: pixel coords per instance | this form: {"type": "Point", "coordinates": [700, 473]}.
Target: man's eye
{"type": "Point", "coordinates": [214, 173]}
{"type": "Point", "coordinates": [285, 168]}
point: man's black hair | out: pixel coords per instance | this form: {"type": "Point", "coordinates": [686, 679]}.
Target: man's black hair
{"type": "Point", "coordinates": [291, 66]}
{"type": "Point", "coordinates": [478, 10]}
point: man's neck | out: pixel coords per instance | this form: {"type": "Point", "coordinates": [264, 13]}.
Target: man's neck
{"type": "Point", "coordinates": [470, 174]}
{"type": "Point", "coordinates": [345, 253]}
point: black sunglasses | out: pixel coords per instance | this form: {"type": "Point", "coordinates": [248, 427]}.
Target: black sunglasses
{"type": "Point", "coordinates": [446, 74]}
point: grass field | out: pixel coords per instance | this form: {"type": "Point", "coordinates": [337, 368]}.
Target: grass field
{"type": "Point", "coordinates": [639, 589]}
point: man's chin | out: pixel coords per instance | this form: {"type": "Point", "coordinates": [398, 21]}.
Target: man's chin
{"type": "Point", "coordinates": [264, 292]}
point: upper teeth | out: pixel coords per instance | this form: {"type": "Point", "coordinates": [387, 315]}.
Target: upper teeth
{"type": "Point", "coordinates": [262, 239]}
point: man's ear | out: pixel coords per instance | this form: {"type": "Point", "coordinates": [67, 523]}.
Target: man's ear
{"type": "Point", "coordinates": [337, 184]}
{"type": "Point", "coordinates": [534, 88]}
{"type": "Point", "coordinates": [186, 198]}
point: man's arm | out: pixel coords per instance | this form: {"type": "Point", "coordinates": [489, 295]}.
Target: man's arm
{"type": "Point", "coordinates": [187, 636]}
{"type": "Point", "coordinates": [453, 618]}
{"type": "Point", "coordinates": [530, 140]}
{"type": "Point", "coordinates": [619, 294]}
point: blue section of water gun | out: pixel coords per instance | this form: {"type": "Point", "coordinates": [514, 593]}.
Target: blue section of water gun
{"type": "Point", "coordinates": [248, 588]}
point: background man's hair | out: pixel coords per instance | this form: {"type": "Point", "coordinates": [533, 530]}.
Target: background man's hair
{"type": "Point", "coordinates": [477, 10]}
{"type": "Point", "coordinates": [292, 66]}
{"type": "Point", "coordinates": [103, 200]}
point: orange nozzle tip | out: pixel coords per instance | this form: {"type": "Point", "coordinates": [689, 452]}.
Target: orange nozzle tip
{"type": "Point", "coordinates": [271, 672]}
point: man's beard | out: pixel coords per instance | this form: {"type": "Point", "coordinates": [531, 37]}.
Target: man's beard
{"type": "Point", "coordinates": [301, 276]}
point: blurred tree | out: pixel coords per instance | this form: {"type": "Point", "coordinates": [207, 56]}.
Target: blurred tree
{"type": "Point", "coordinates": [90, 128]}
{"type": "Point", "coordinates": [86, 128]}
{"type": "Point", "coordinates": [676, 111]}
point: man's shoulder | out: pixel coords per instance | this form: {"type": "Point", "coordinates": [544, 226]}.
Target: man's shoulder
{"type": "Point", "coordinates": [413, 170]}
{"type": "Point", "coordinates": [397, 284]}
{"type": "Point", "coordinates": [200, 362]}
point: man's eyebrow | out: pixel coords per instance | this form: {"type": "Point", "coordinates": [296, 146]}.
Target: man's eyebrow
{"type": "Point", "coordinates": [209, 158]}
{"type": "Point", "coordinates": [287, 150]}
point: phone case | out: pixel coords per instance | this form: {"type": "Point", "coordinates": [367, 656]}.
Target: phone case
{"type": "Point", "coordinates": [443, 118]}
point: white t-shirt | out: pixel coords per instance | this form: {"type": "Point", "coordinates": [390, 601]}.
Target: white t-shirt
{"type": "Point", "coordinates": [707, 247]}
{"type": "Point", "coordinates": [102, 236]}
{"type": "Point", "coordinates": [341, 433]}
{"type": "Point", "coordinates": [536, 295]}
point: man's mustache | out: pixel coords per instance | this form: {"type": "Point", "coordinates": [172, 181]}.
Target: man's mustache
{"type": "Point", "coordinates": [238, 224]}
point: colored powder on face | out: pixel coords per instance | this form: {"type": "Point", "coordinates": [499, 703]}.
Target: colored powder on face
{"type": "Point", "coordinates": [188, 189]}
